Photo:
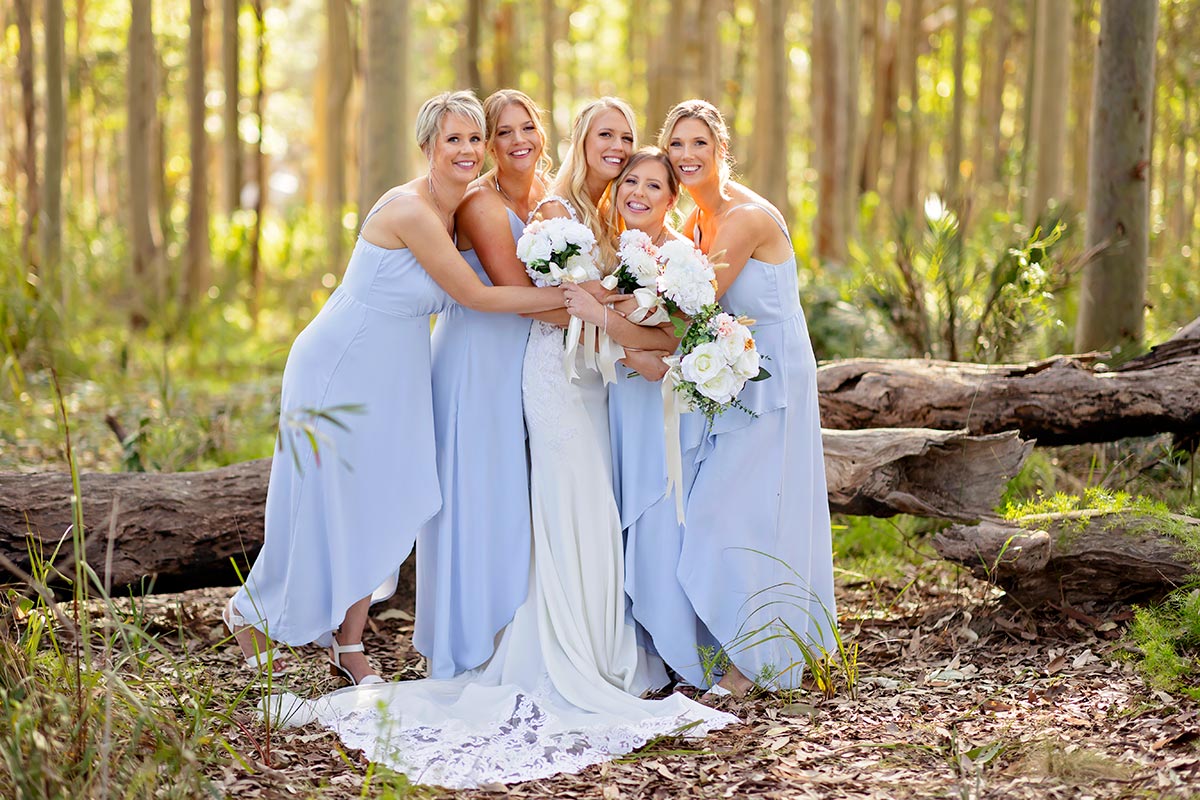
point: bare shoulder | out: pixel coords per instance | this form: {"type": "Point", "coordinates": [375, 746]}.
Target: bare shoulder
{"type": "Point", "coordinates": [552, 208]}
{"type": "Point", "coordinates": [481, 203]}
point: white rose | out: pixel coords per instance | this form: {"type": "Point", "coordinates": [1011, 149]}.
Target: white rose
{"type": "Point", "coordinates": [539, 250]}
{"type": "Point", "coordinates": [747, 364]}
{"type": "Point", "coordinates": [734, 343]}
{"type": "Point", "coordinates": [705, 361]}
{"type": "Point", "coordinates": [578, 268]}
{"type": "Point", "coordinates": [720, 388]}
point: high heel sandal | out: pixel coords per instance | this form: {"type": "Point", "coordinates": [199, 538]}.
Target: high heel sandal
{"type": "Point", "coordinates": [273, 660]}
{"type": "Point", "coordinates": [335, 663]}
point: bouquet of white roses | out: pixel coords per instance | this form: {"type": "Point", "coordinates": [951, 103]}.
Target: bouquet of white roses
{"type": "Point", "coordinates": [637, 273]}
{"type": "Point", "coordinates": [557, 250]}
{"type": "Point", "coordinates": [717, 358]}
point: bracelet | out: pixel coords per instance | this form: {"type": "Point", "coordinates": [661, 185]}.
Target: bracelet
{"type": "Point", "coordinates": [606, 307]}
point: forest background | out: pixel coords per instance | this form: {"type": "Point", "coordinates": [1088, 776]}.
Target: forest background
{"type": "Point", "coordinates": [182, 180]}
{"type": "Point", "coordinates": [181, 183]}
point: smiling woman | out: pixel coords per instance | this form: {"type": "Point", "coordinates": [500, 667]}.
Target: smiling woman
{"type": "Point", "coordinates": [342, 515]}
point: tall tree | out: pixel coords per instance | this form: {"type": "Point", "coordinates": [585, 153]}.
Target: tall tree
{"type": "Point", "coordinates": [772, 110]}
{"type": "Point", "coordinates": [50, 226]}
{"type": "Point", "coordinates": [1112, 296]}
{"type": "Point", "coordinates": [469, 76]}
{"type": "Point", "coordinates": [25, 61]}
{"type": "Point", "coordinates": [198, 254]}
{"type": "Point", "coordinates": [339, 79]}
{"type": "Point", "coordinates": [231, 143]}
{"type": "Point", "coordinates": [908, 133]}
{"type": "Point", "coordinates": [1050, 95]}
{"type": "Point", "coordinates": [504, 55]}
{"type": "Point", "coordinates": [386, 102]}
{"type": "Point", "coordinates": [261, 181]}
{"type": "Point", "coordinates": [852, 52]}
{"type": "Point", "coordinates": [549, 37]}
{"type": "Point", "coordinates": [993, 77]}
{"type": "Point", "coordinates": [883, 67]}
{"type": "Point", "coordinates": [1081, 98]}
{"type": "Point", "coordinates": [143, 225]}
{"type": "Point", "coordinates": [954, 153]}
{"type": "Point", "coordinates": [829, 88]}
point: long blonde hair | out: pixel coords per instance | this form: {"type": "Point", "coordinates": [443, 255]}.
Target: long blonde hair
{"type": "Point", "coordinates": [572, 175]}
{"type": "Point", "coordinates": [707, 113]}
{"type": "Point", "coordinates": [494, 106]}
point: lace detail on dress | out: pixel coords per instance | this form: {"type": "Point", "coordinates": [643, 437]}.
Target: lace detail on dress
{"type": "Point", "coordinates": [553, 198]}
{"type": "Point", "coordinates": [545, 391]}
{"type": "Point", "coordinates": [532, 742]}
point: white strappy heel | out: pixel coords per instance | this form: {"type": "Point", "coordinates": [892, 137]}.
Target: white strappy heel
{"type": "Point", "coordinates": [273, 660]}
{"type": "Point", "coordinates": [335, 663]}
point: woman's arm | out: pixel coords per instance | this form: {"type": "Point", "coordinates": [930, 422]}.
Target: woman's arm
{"type": "Point", "coordinates": [418, 227]}
{"type": "Point", "coordinates": [647, 363]}
{"type": "Point", "coordinates": [741, 234]}
{"type": "Point", "coordinates": [625, 333]}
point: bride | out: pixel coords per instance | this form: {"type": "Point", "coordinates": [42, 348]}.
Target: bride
{"type": "Point", "coordinates": [562, 690]}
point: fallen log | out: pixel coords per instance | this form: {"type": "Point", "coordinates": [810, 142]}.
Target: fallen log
{"type": "Point", "coordinates": [1078, 556]}
{"type": "Point", "coordinates": [1060, 400]}
{"type": "Point", "coordinates": [175, 531]}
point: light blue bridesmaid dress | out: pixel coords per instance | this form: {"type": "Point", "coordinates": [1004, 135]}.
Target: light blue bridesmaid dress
{"type": "Point", "coordinates": [473, 557]}
{"type": "Point", "coordinates": [755, 552]}
{"type": "Point", "coordinates": [341, 520]}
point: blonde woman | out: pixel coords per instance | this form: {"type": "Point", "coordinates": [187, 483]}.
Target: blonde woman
{"type": "Point", "coordinates": [473, 557]}
{"type": "Point", "coordinates": [751, 583]}
{"type": "Point", "coordinates": [342, 517]}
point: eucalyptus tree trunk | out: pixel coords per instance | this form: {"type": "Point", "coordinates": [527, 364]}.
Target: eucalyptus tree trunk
{"type": "Point", "coordinates": [883, 70]}
{"type": "Point", "coordinates": [386, 134]}
{"type": "Point", "coordinates": [1112, 296]}
{"type": "Point", "coordinates": [260, 157]}
{"type": "Point", "coordinates": [989, 147]}
{"type": "Point", "coordinates": [198, 247]}
{"type": "Point", "coordinates": [469, 76]}
{"type": "Point", "coordinates": [231, 143]}
{"type": "Point", "coordinates": [851, 59]}
{"type": "Point", "coordinates": [338, 82]}
{"type": "Point", "coordinates": [1050, 95]}
{"type": "Point", "coordinates": [139, 135]}
{"type": "Point", "coordinates": [25, 61]}
{"type": "Point", "coordinates": [504, 53]}
{"type": "Point", "coordinates": [1081, 99]}
{"type": "Point", "coordinates": [830, 107]}
{"type": "Point", "coordinates": [50, 225]}
{"type": "Point", "coordinates": [908, 136]}
{"type": "Point", "coordinates": [954, 153]}
{"type": "Point", "coordinates": [549, 79]}
{"type": "Point", "coordinates": [772, 111]}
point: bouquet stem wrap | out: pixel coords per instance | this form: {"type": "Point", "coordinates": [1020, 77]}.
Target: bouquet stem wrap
{"type": "Point", "coordinates": [673, 404]}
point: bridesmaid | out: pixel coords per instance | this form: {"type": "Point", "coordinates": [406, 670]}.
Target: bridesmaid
{"type": "Point", "coordinates": [473, 557]}
{"type": "Point", "coordinates": [757, 546]}
{"type": "Point", "coordinates": [342, 517]}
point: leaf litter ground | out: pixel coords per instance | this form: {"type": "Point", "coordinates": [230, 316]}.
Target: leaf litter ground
{"type": "Point", "coordinates": [962, 694]}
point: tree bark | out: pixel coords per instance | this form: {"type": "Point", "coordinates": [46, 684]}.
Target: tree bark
{"type": "Point", "coordinates": [1081, 100]}
{"type": "Point", "coordinates": [1061, 400]}
{"type": "Point", "coordinates": [1113, 291]}
{"type": "Point", "coordinates": [469, 75]}
{"type": "Point", "coordinates": [25, 62]}
{"type": "Point", "coordinates": [339, 80]}
{"type": "Point", "coordinates": [50, 225]}
{"type": "Point", "coordinates": [852, 61]}
{"type": "Point", "coordinates": [954, 153]}
{"type": "Point", "coordinates": [1050, 95]}
{"type": "Point", "coordinates": [1076, 557]}
{"type": "Point", "coordinates": [260, 157]}
{"type": "Point", "coordinates": [198, 247]}
{"type": "Point", "coordinates": [180, 530]}
{"type": "Point", "coordinates": [772, 110]}
{"type": "Point", "coordinates": [829, 103]}
{"type": "Point", "coordinates": [882, 103]}
{"type": "Point", "coordinates": [989, 149]}
{"type": "Point", "coordinates": [549, 38]}
{"type": "Point", "coordinates": [231, 142]}
{"type": "Point", "coordinates": [905, 182]}
{"type": "Point", "coordinates": [386, 132]}
{"type": "Point", "coordinates": [139, 140]}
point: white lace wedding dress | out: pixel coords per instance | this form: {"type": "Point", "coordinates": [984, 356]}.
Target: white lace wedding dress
{"type": "Point", "coordinates": [562, 690]}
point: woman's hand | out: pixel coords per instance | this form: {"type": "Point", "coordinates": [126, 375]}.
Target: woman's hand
{"type": "Point", "coordinates": [647, 363]}
{"type": "Point", "coordinates": [582, 304]}
{"type": "Point", "coordinates": [597, 290]}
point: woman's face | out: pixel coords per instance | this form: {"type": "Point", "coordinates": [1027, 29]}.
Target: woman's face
{"type": "Point", "coordinates": [694, 152]}
{"type": "Point", "coordinates": [644, 196]}
{"type": "Point", "coordinates": [517, 146]}
{"type": "Point", "coordinates": [607, 144]}
{"type": "Point", "coordinates": [457, 151]}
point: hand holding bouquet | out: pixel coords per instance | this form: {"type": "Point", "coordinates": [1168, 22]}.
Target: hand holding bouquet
{"type": "Point", "coordinates": [717, 358]}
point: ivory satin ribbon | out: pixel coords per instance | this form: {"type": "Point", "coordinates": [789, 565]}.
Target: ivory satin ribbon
{"type": "Point", "coordinates": [673, 406]}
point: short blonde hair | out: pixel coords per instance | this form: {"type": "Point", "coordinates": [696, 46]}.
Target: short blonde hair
{"type": "Point", "coordinates": [572, 175]}
{"type": "Point", "coordinates": [435, 109]}
{"type": "Point", "coordinates": [501, 99]}
{"type": "Point", "coordinates": [707, 113]}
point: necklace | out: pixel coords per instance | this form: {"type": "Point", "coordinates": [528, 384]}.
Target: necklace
{"type": "Point", "coordinates": [433, 195]}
